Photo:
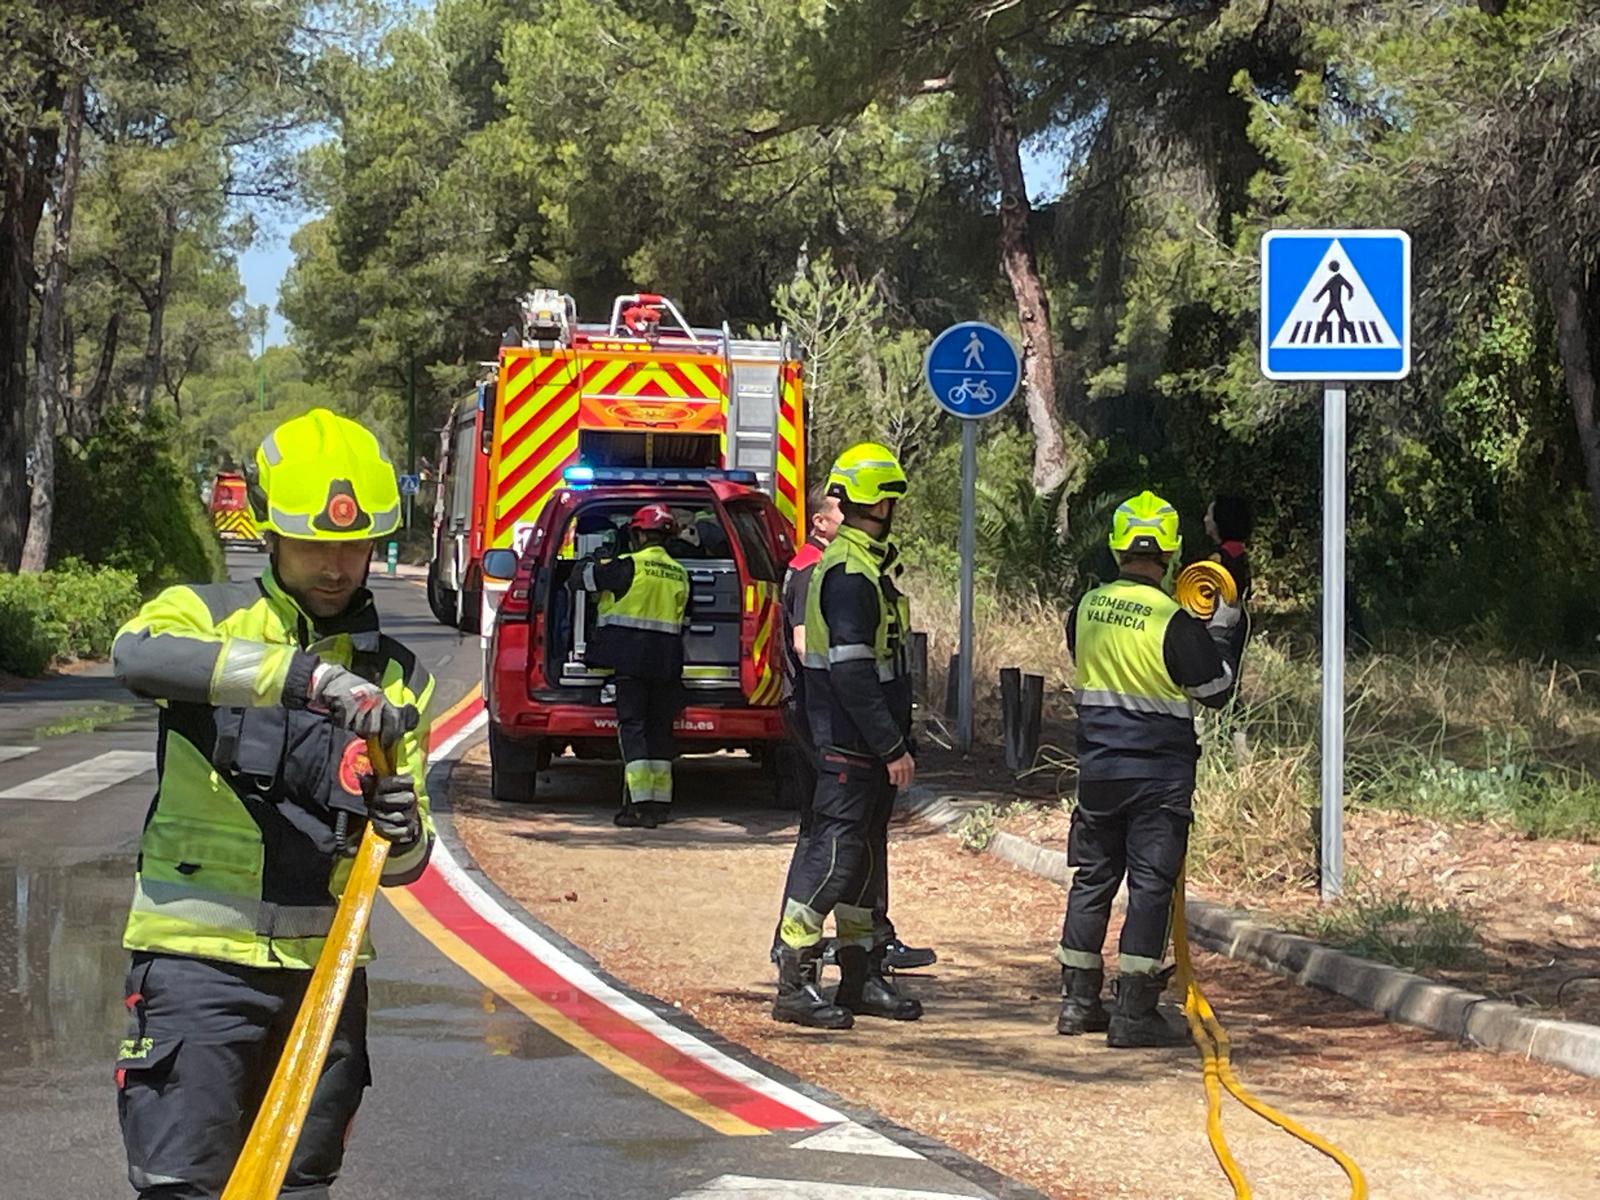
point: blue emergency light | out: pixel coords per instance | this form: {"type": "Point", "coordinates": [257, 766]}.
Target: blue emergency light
{"type": "Point", "coordinates": [588, 476]}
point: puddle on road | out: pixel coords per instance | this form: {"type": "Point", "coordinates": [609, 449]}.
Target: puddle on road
{"type": "Point", "coordinates": [62, 962]}
{"type": "Point", "coordinates": [85, 720]}
{"type": "Point", "coordinates": [442, 1013]}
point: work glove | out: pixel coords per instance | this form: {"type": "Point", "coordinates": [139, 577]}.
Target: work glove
{"type": "Point", "coordinates": [357, 705]}
{"type": "Point", "coordinates": [392, 807]}
{"type": "Point", "coordinates": [1225, 616]}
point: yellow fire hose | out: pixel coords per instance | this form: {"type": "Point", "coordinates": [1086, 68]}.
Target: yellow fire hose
{"type": "Point", "coordinates": [258, 1175]}
{"type": "Point", "coordinates": [1199, 589]}
{"type": "Point", "coordinates": [1212, 1040]}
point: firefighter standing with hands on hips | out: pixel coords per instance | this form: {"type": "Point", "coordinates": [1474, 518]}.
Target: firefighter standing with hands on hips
{"type": "Point", "coordinates": [858, 704]}
{"type": "Point", "coordinates": [267, 691]}
{"type": "Point", "coordinates": [1142, 662]}
{"type": "Point", "coordinates": [643, 594]}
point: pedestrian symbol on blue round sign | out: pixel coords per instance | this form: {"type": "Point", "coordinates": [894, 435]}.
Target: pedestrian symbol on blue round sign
{"type": "Point", "coordinates": [972, 369]}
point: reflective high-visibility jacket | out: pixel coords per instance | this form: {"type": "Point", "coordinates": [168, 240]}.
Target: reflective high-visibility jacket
{"type": "Point", "coordinates": [239, 857]}
{"type": "Point", "coordinates": [1142, 662]}
{"type": "Point", "coordinates": [643, 596]}
{"type": "Point", "coordinates": [858, 677]}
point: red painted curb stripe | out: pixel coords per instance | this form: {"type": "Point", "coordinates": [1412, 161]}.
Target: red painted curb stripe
{"type": "Point", "coordinates": [455, 914]}
{"type": "Point", "coordinates": [452, 911]}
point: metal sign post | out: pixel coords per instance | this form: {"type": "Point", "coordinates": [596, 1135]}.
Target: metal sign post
{"type": "Point", "coordinates": [973, 370]}
{"type": "Point", "coordinates": [1331, 871]}
{"type": "Point", "coordinates": [1335, 305]}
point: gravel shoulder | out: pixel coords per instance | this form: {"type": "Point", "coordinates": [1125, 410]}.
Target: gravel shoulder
{"type": "Point", "coordinates": [686, 913]}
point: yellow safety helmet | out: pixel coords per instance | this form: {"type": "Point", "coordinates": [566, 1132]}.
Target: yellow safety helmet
{"type": "Point", "coordinates": [323, 477]}
{"type": "Point", "coordinates": [1145, 524]}
{"type": "Point", "coordinates": [867, 473]}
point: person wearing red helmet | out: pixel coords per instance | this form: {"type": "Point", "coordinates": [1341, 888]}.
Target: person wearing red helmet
{"type": "Point", "coordinates": [642, 595]}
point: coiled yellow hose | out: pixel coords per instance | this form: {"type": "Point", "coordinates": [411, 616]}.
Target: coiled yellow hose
{"type": "Point", "coordinates": [1201, 585]}
{"type": "Point", "coordinates": [1212, 1041]}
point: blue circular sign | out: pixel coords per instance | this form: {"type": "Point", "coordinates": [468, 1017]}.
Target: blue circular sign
{"type": "Point", "coordinates": [972, 369]}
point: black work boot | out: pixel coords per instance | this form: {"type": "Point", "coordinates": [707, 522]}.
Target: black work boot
{"type": "Point", "coordinates": [897, 956]}
{"type": "Point", "coordinates": [864, 991]}
{"type": "Point", "coordinates": [1135, 1020]}
{"type": "Point", "coordinates": [800, 1001]}
{"type": "Point", "coordinates": [1082, 1010]}
{"type": "Point", "coordinates": [635, 816]}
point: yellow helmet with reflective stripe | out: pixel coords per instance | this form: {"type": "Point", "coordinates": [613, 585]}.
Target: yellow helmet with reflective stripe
{"type": "Point", "coordinates": [867, 473]}
{"type": "Point", "coordinates": [323, 477]}
{"type": "Point", "coordinates": [1145, 524]}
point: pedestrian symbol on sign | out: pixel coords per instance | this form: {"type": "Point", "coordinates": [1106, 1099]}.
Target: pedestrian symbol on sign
{"type": "Point", "coordinates": [1336, 308]}
{"type": "Point", "coordinates": [974, 360]}
{"type": "Point", "coordinates": [1335, 304]}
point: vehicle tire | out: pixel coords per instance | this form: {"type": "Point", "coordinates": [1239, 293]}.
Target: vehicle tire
{"type": "Point", "coordinates": [772, 760]}
{"type": "Point", "coordinates": [510, 782]}
{"type": "Point", "coordinates": [470, 614]}
{"type": "Point", "coordinates": [441, 600]}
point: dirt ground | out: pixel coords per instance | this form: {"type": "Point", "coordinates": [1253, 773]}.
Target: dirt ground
{"type": "Point", "coordinates": [1535, 905]}
{"type": "Point", "coordinates": [686, 913]}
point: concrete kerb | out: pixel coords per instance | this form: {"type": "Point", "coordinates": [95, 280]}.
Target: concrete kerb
{"type": "Point", "coordinates": [1397, 995]}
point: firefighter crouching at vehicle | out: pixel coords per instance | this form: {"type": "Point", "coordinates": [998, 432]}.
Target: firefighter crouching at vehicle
{"type": "Point", "coordinates": [643, 594]}
{"type": "Point", "coordinates": [858, 702]}
{"type": "Point", "coordinates": [267, 691]}
{"type": "Point", "coordinates": [1141, 662]}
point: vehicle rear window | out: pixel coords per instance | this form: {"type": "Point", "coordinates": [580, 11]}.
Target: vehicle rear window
{"type": "Point", "coordinates": [751, 529]}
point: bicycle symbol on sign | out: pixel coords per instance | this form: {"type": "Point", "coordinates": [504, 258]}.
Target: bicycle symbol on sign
{"type": "Point", "coordinates": [971, 391]}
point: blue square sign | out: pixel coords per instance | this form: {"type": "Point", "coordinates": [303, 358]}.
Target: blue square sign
{"type": "Point", "coordinates": [1336, 304]}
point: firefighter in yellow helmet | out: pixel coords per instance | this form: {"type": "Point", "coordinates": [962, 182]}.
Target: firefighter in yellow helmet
{"type": "Point", "coordinates": [1142, 662]}
{"type": "Point", "coordinates": [267, 692]}
{"type": "Point", "coordinates": [858, 701]}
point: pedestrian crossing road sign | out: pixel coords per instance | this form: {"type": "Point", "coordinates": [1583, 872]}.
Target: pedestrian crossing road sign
{"type": "Point", "coordinates": [1336, 304]}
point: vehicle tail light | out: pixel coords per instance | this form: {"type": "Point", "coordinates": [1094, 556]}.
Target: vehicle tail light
{"type": "Point", "coordinates": [516, 600]}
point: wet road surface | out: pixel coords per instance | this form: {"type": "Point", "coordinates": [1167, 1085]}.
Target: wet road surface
{"type": "Point", "coordinates": [471, 1099]}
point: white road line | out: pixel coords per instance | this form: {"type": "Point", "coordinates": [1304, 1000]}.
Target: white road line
{"type": "Point", "coordinates": [747, 1187]}
{"type": "Point", "coordinates": [7, 753]}
{"type": "Point", "coordinates": [851, 1138]}
{"type": "Point", "coordinates": [85, 778]}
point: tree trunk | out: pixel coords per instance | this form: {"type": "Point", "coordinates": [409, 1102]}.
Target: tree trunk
{"type": "Point", "coordinates": [21, 207]}
{"type": "Point", "coordinates": [89, 405]}
{"type": "Point", "coordinates": [157, 303]}
{"type": "Point", "coordinates": [1573, 323]}
{"type": "Point", "coordinates": [1050, 467]}
{"type": "Point", "coordinates": [47, 370]}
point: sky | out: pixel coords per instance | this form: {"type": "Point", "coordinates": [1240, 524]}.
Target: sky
{"type": "Point", "coordinates": [263, 266]}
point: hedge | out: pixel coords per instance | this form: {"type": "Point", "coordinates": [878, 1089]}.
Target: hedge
{"type": "Point", "coordinates": [72, 611]}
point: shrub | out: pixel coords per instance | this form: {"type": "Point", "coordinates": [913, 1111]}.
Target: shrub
{"type": "Point", "coordinates": [73, 612]}
{"type": "Point", "coordinates": [125, 501]}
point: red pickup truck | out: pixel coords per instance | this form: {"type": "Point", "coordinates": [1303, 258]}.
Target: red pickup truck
{"type": "Point", "coordinates": [540, 694]}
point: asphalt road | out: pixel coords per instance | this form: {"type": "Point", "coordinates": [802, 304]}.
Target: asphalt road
{"type": "Point", "coordinates": [471, 1099]}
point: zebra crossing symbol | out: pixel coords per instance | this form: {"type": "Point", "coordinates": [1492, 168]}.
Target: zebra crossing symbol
{"type": "Point", "coordinates": [1335, 304]}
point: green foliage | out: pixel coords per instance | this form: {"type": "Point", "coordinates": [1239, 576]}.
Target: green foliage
{"type": "Point", "coordinates": [125, 501]}
{"type": "Point", "coordinates": [73, 611]}
{"type": "Point", "coordinates": [1399, 931]}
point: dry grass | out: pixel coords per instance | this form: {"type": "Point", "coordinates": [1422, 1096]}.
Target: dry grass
{"type": "Point", "coordinates": [1449, 731]}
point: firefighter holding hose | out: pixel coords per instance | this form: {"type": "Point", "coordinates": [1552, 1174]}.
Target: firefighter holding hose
{"type": "Point", "coordinates": [1142, 663]}
{"type": "Point", "coordinates": [268, 691]}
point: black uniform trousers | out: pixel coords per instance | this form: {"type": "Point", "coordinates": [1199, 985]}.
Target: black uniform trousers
{"type": "Point", "coordinates": [203, 1041]}
{"type": "Point", "coordinates": [842, 863]}
{"type": "Point", "coordinates": [1133, 827]}
{"type": "Point", "coordinates": [646, 710]}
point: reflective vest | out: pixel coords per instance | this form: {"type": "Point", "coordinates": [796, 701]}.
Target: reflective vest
{"type": "Point", "coordinates": [858, 554]}
{"type": "Point", "coordinates": [1121, 635]}
{"type": "Point", "coordinates": [656, 599]}
{"type": "Point", "coordinates": [238, 859]}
